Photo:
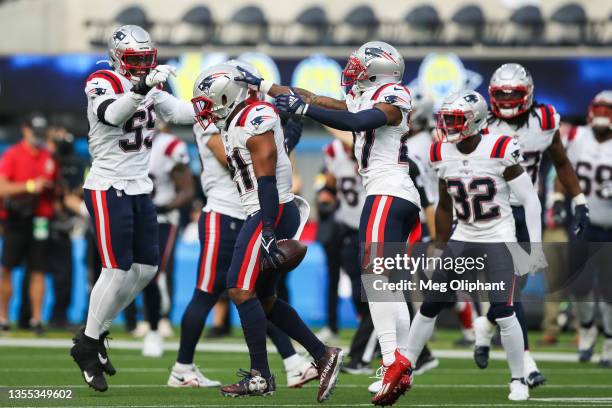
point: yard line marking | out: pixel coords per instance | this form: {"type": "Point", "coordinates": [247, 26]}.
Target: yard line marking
{"type": "Point", "coordinates": [241, 347]}
{"type": "Point", "coordinates": [344, 385]}
{"type": "Point", "coordinates": [313, 405]}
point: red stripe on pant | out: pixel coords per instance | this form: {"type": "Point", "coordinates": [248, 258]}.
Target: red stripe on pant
{"type": "Point", "coordinates": [111, 253]}
{"type": "Point", "coordinates": [101, 216]}
{"type": "Point", "coordinates": [248, 255]}
{"type": "Point", "coordinates": [211, 238]}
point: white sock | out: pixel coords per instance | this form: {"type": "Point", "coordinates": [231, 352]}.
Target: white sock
{"type": "Point", "coordinates": [483, 331]}
{"type": "Point", "coordinates": [512, 341]}
{"type": "Point", "coordinates": [529, 363]}
{"type": "Point", "coordinates": [606, 316]}
{"type": "Point", "coordinates": [138, 277]}
{"type": "Point", "coordinates": [384, 317]}
{"type": "Point", "coordinates": [182, 367]}
{"type": "Point", "coordinates": [292, 361]}
{"type": "Point", "coordinates": [420, 333]}
{"type": "Point", "coordinates": [403, 327]}
{"type": "Point", "coordinates": [103, 299]}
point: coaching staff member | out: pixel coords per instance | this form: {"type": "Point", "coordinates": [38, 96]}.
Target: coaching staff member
{"type": "Point", "coordinates": [28, 177]}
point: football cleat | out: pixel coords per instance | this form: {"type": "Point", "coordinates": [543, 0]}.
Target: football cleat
{"type": "Point", "coordinates": [190, 377]}
{"type": "Point", "coordinates": [357, 367]}
{"type": "Point", "coordinates": [328, 368]}
{"type": "Point", "coordinates": [391, 376]}
{"type": "Point", "coordinates": [107, 366]}
{"type": "Point", "coordinates": [326, 335]}
{"type": "Point", "coordinates": [252, 384]}
{"type": "Point", "coordinates": [519, 391]}
{"type": "Point", "coordinates": [153, 345]}
{"type": "Point", "coordinates": [481, 356]}
{"type": "Point", "coordinates": [425, 362]}
{"type": "Point", "coordinates": [606, 355]}
{"type": "Point", "coordinates": [535, 379]}
{"type": "Point", "coordinates": [301, 373]}
{"type": "Point", "coordinates": [586, 343]}
{"type": "Point", "coordinates": [84, 352]}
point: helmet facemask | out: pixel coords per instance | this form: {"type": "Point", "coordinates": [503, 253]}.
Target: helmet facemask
{"type": "Point", "coordinates": [204, 114]}
{"type": "Point", "coordinates": [510, 101]}
{"type": "Point", "coordinates": [454, 126]}
{"type": "Point", "coordinates": [136, 64]}
{"type": "Point", "coordinates": [354, 71]}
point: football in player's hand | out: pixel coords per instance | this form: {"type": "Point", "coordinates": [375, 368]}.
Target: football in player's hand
{"type": "Point", "coordinates": [293, 253]}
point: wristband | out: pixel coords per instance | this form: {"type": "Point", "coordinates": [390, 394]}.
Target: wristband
{"type": "Point", "coordinates": [580, 199]}
{"type": "Point", "coordinates": [264, 86]}
{"type": "Point", "coordinates": [558, 196]}
{"type": "Point", "coordinates": [30, 186]}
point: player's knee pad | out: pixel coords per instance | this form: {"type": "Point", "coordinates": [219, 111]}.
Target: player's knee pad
{"type": "Point", "coordinates": [431, 309]}
{"type": "Point", "coordinates": [500, 310]}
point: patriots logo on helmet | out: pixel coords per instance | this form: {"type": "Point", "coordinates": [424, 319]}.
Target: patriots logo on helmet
{"type": "Point", "coordinates": [119, 36]}
{"type": "Point", "coordinates": [471, 98]}
{"type": "Point", "coordinates": [207, 82]}
{"type": "Point", "coordinates": [258, 120]}
{"type": "Point", "coordinates": [378, 52]}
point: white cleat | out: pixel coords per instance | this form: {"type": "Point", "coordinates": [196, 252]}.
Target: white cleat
{"type": "Point", "coordinates": [153, 345]}
{"type": "Point", "coordinates": [189, 378]}
{"type": "Point", "coordinates": [586, 343]}
{"type": "Point", "coordinates": [376, 386]}
{"type": "Point", "coordinates": [165, 328]}
{"type": "Point", "coordinates": [519, 391]}
{"type": "Point", "coordinates": [301, 373]}
{"type": "Point", "coordinates": [141, 330]}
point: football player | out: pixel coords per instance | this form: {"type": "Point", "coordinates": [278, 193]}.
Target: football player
{"type": "Point", "coordinates": [172, 189]}
{"type": "Point", "coordinates": [376, 110]}
{"type": "Point", "coordinates": [477, 174]}
{"type": "Point", "coordinates": [536, 127]}
{"type": "Point", "coordinates": [219, 224]}
{"type": "Point", "coordinates": [590, 151]}
{"type": "Point", "coordinates": [122, 105]}
{"type": "Point", "coordinates": [259, 165]}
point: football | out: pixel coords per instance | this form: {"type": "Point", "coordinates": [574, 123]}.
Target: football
{"type": "Point", "coordinates": [293, 251]}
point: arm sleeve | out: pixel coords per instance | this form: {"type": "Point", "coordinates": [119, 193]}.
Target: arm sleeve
{"type": "Point", "coordinates": [173, 110]}
{"type": "Point", "coordinates": [523, 189]}
{"type": "Point", "coordinates": [109, 103]}
{"type": "Point", "coordinates": [292, 129]}
{"type": "Point", "coordinates": [368, 119]}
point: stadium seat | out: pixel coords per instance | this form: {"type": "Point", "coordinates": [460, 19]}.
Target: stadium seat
{"type": "Point", "coordinates": [130, 15]}
{"type": "Point", "coordinates": [421, 26]}
{"type": "Point", "coordinates": [310, 28]}
{"type": "Point", "coordinates": [196, 27]}
{"type": "Point", "coordinates": [567, 25]}
{"type": "Point", "coordinates": [247, 26]}
{"type": "Point", "coordinates": [466, 26]}
{"type": "Point", "coordinates": [524, 28]}
{"type": "Point", "coordinates": [359, 26]}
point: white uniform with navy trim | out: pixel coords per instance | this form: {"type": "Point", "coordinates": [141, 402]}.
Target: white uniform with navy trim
{"type": "Point", "coordinates": [253, 120]}
{"type": "Point", "coordinates": [481, 195]}
{"type": "Point", "coordinates": [418, 150]}
{"type": "Point", "coordinates": [350, 192]}
{"type": "Point", "coordinates": [168, 151]}
{"type": "Point", "coordinates": [593, 163]}
{"type": "Point", "coordinates": [121, 154]}
{"type": "Point", "coordinates": [381, 154]}
{"type": "Point", "coordinates": [534, 138]}
{"type": "Point", "coordinates": [219, 188]}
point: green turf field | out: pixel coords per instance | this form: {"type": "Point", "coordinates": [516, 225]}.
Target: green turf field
{"type": "Point", "coordinates": [140, 382]}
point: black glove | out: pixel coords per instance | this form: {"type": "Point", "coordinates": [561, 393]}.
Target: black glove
{"type": "Point", "coordinates": [581, 219]}
{"type": "Point", "coordinates": [269, 249]}
{"type": "Point", "coordinates": [559, 214]}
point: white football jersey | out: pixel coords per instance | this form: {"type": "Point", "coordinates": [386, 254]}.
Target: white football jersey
{"type": "Point", "coordinates": [382, 153]}
{"type": "Point", "coordinates": [350, 192]}
{"type": "Point", "coordinates": [168, 151]}
{"type": "Point", "coordinates": [475, 181]}
{"type": "Point", "coordinates": [534, 138]}
{"type": "Point", "coordinates": [418, 150]}
{"type": "Point", "coordinates": [219, 188]}
{"type": "Point", "coordinates": [121, 154]}
{"type": "Point", "coordinates": [253, 120]}
{"type": "Point", "coordinates": [593, 163]}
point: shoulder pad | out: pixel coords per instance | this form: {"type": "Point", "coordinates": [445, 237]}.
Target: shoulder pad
{"type": "Point", "coordinates": [547, 115]}
{"type": "Point", "coordinates": [435, 152]}
{"type": "Point", "coordinates": [109, 77]}
{"type": "Point", "coordinates": [258, 117]}
{"type": "Point", "coordinates": [394, 94]}
{"type": "Point", "coordinates": [500, 146]}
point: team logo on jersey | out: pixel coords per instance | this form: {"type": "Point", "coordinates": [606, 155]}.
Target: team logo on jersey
{"type": "Point", "coordinates": [119, 36]}
{"type": "Point", "coordinates": [378, 52]}
{"type": "Point", "coordinates": [258, 120]}
{"type": "Point", "coordinates": [207, 82]}
{"type": "Point", "coordinates": [471, 98]}
{"type": "Point", "coordinates": [516, 155]}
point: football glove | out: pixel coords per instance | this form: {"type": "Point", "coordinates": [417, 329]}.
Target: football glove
{"type": "Point", "coordinates": [559, 214]}
{"type": "Point", "coordinates": [253, 81]}
{"type": "Point", "coordinates": [269, 249]}
{"type": "Point", "coordinates": [581, 219]}
{"type": "Point", "coordinates": [158, 75]}
{"type": "Point", "coordinates": [537, 259]}
{"type": "Point", "coordinates": [291, 103]}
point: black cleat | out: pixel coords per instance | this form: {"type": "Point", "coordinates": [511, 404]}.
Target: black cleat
{"type": "Point", "coordinates": [252, 384]}
{"type": "Point", "coordinates": [424, 363]}
{"type": "Point", "coordinates": [535, 379]}
{"type": "Point", "coordinates": [5, 327]}
{"type": "Point", "coordinates": [584, 356]}
{"type": "Point", "coordinates": [481, 356]}
{"type": "Point", "coordinates": [356, 366]}
{"type": "Point", "coordinates": [107, 366]}
{"type": "Point", "coordinates": [37, 328]}
{"type": "Point", "coordinates": [605, 363]}
{"type": "Point", "coordinates": [328, 367]}
{"type": "Point", "coordinates": [85, 354]}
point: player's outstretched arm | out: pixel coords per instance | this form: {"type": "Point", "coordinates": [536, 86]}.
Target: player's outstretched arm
{"type": "Point", "coordinates": [173, 110]}
{"type": "Point", "coordinates": [444, 214]}
{"type": "Point", "coordinates": [568, 179]}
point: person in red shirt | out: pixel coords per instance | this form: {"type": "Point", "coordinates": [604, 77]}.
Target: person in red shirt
{"type": "Point", "coordinates": [28, 176]}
